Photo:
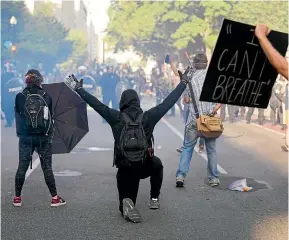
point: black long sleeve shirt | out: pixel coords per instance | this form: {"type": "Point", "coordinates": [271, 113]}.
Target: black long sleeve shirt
{"type": "Point", "coordinates": [150, 118]}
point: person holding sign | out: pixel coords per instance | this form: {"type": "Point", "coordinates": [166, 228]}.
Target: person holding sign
{"type": "Point", "coordinates": [191, 137]}
{"type": "Point", "coordinates": [275, 58]}
{"type": "Point", "coordinates": [277, 61]}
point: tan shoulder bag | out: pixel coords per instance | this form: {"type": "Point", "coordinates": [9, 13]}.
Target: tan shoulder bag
{"type": "Point", "coordinates": [207, 126]}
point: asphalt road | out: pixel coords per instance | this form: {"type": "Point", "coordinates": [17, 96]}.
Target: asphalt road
{"type": "Point", "coordinates": [86, 179]}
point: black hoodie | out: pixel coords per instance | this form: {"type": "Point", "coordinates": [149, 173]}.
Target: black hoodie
{"type": "Point", "coordinates": [130, 104]}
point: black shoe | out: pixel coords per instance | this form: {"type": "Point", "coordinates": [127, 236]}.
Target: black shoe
{"type": "Point", "coordinates": [180, 182]}
{"type": "Point", "coordinates": [154, 203]}
{"type": "Point", "coordinates": [130, 212]}
{"type": "Point", "coordinates": [180, 150]}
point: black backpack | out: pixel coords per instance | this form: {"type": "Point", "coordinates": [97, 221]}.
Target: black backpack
{"type": "Point", "coordinates": [37, 115]}
{"type": "Point", "coordinates": [133, 145]}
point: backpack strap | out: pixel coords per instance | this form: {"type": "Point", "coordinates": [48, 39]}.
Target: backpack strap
{"type": "Point", "coordinates": [139, 118]}
{"type": "Point", "coordinates": [26, 92]}
{"type": "Point", "coordinates": [153, 141]}
{"type": "Point", "coordinates": [126, 118]}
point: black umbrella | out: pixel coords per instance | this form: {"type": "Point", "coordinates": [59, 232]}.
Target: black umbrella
{"type": "Point", "coordinates": [70, 117]}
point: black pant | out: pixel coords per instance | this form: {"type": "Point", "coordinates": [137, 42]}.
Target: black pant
{"type": "Point", "coordinates": [27, 145]}
{"type": "Point", "coordinates": [128, 179]}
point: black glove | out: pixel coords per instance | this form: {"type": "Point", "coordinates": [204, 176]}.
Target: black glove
{"type": "Point", "coordinates": [187, 75]}
{"type": "Point", "coordinates": [73, 83]}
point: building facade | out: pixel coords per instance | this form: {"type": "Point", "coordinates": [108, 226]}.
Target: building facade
{"type": "Point", "coordinates": [73, 14]}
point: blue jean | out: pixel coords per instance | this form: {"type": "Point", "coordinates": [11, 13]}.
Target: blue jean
{"type": "Point", "coordinates": [190, 142]}
{"type": "Point", "coordinates": [186, 115]}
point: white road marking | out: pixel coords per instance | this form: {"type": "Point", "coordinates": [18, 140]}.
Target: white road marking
{"type": "Point", "coordinates": [67, 173]}
{"type": "Point", "coordinates": [34, 166]}
{"type": "Point", "coordinates": [97, 149]}
{"type": "Point", "coordinates": [268, 129]}
{"type": "Point", "coordinates": [181, 136]}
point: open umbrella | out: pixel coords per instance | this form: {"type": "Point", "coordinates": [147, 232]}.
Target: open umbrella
{"type": "Point", "coordinates": [70, 117]}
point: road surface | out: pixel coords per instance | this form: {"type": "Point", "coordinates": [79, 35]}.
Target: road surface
{"type": "Point", "coordinates": [86, 180]}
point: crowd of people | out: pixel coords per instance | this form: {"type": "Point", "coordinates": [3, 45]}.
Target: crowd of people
{"type": "Point", "coordinates": [132, 127]}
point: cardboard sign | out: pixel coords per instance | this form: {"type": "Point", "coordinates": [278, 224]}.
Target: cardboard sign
{"type": "Point", "coordinates": [239, 72]}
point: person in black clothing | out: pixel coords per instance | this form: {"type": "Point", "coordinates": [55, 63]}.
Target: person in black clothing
{"type": "Point", "coordinates": [128, 177]}
{"type": "Point", "coordinates": [29, 140]}
{"type": "Point", "coordinates": [108, 83]}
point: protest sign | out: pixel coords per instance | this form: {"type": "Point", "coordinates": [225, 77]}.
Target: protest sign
{"type": "Point", "coordinates": [239, 72]}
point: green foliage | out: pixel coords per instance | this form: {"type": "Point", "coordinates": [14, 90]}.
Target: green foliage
{"type": "Point", "coordinates": [9, 33]}
{"type": "Point", "coordinates": [43, 33]}
{"type": "Point", "coordinates": [40, 37]}
{"type": "Point", "coordinates": [79, 48]}
{"type": "Point", "coordinates": [139, 24]}
{"type": "Point", "coordinates": [155, 28]}
{"type": "Point", "coordinates": [273, 13]}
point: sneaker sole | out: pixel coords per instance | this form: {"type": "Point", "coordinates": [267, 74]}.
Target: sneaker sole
{"type": "Point", "coordinates": [17, 204]}
{"type": "Point", "coordinates": [130, 212]}
{"type": "Point", "coordinates": [179, 184]}
{"type": "Point", "coordinates": [179, 150]}
{"type": "Point", "coordinates": [58, 204]}
{"type": "Point", "coordinates": [214, 184]}
{"type": "Point", "coordinates": [154, 207]}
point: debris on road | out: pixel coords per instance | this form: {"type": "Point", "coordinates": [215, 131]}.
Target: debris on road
{"type": "Point", "coordinates": [240, 185]}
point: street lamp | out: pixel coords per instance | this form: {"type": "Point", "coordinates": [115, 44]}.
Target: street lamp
{"type": "Point", "coordinates": [13, 20]}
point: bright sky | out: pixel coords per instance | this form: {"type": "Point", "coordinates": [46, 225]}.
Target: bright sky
{"type": "Point", "coordinates": [99, 14]}
{"type": "Point", "coordinates": [98, 10]}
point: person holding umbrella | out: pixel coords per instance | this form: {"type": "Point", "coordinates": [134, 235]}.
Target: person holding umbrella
{"type": "Point", "coordinates": [34, 126]}
{"type": "Point", "coordinates": [133, 134]}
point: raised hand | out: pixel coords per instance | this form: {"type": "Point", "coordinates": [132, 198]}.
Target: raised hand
{"type": "Point", "coordinates": [187, 75]}
{"type": "Point", "coordinates": [73, 83]}
{"type": "Point", "coordinates": [261, 30]}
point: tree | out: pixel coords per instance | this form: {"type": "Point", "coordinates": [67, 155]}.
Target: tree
{"type": "Point", "coordinates": [273, 13]}
{"type": "Point", "coordinates": [135, 23]}
{"type": "Point", "coordinates": [9, 32]}
{"type": "Point", "coordinates": [44, 38]}
{"type": "Point", "coordinates": [156, 28]}
{"type": "Point", "coordinates": [79, 42]}
{"type": "Point", "coordinates": [204, 23]}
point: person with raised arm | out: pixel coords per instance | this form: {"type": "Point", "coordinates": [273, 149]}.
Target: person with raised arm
{"type": "Point", "coordinates": [278, 62]}
{"type": "Point", "coordinates": [134, 145]}
{"type": "Point", "coordinates": [275, 58]}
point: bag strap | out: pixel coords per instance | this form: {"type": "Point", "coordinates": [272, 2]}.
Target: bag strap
{"type": "Point", "coordinates": [126, 118]}
{"type": "Point", "coordinates": [139, 118]}
{"type": "Point", "coordinates": [26, 93]}
{"type": "Point", "coordinates": [193, 99]}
